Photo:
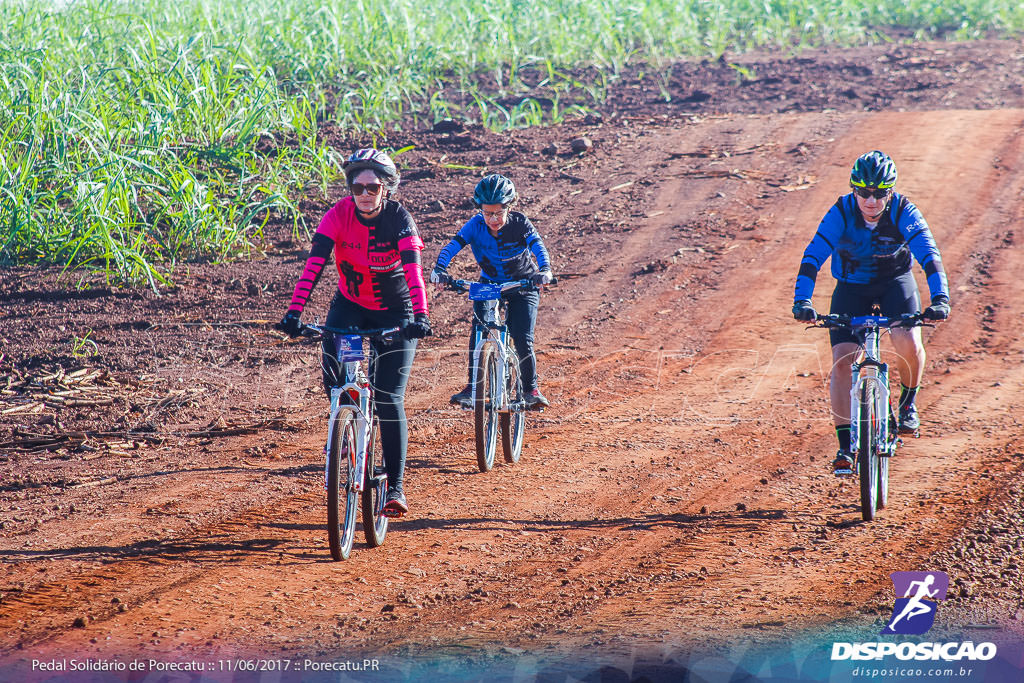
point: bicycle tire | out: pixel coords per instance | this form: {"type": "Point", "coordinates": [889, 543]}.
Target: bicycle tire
{"type": "Point", "coordinates": [883, 467]}
{"type": "Point", "coordinates": [883, 483]}
{"type": "Point", "coordinates": [513, 423]}
{"type": "Point", "coordinates": [867, 452]}
{"type": "Point", "coordinates": [375, 524]}
{"type": "Point", "coordinates": [485, 416]}
{"type": "Point", "coordinates": [342, 499]}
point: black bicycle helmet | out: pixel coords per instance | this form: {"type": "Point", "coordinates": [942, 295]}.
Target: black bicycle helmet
{"type": "Point", "coordinates": [874, 169]}
{"type": "Point", "coordinates": [494, 189]}
{"type": "Point", "coordinates": [375, 160]}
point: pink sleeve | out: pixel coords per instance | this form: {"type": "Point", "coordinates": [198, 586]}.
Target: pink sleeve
{"type": "Point", "coordinates": [323, 244]}
{"type": "Point", "coordinates": [410, 248]}
{"type": "Point", "coordinates": [314, 266]}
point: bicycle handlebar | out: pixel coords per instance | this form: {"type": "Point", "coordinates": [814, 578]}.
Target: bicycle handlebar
{"type": "Point", "coordinates": [314, 331]}
{"type": "Point", "coordinates": [859, 322]}
{"type": "Point", "coordinates": [462, 286]}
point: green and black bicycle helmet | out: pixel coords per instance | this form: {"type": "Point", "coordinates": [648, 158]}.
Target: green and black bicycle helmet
{"type": "Point", "coordinates": [874, 169]}
{"type": "Point", "coordinates": [494, 189]}
{"type": "Point", "coordinates": [375, 160]}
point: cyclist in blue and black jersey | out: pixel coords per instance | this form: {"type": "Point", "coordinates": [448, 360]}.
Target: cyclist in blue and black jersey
{"type": "Point", "coordinates": [871, 234]}
{"type": "Point", "coordinates": [502, 241]}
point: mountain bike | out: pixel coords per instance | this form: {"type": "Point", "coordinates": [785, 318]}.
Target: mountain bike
{"type": "Point", "coordinates": [874, 436]}
{"type": "Point", "coordinates": [354, 474]}
{"type": "Point", "coordinates": [497, 389]}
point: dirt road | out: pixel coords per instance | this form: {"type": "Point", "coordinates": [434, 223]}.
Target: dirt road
{"type": "Point", "coordinates": [676, 496]}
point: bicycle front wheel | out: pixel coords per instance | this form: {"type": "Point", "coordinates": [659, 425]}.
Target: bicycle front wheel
{"type": "Point", "coordinates": [513, 422]}
{"type": "Point", "coordinates": [867, 454]}
{"type": "Point", "coordinates": [883, 482]}
{"type": "Point", "coordinates": [883, 461]}
{"type": "Point", "coordinates": [341, 493]}
{"type": "Point", "coordinates": [485, 417]}
{"type": "Point", "coordinates": [375, 524]}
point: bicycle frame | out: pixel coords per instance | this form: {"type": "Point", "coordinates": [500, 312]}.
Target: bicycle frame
{"type": "Point", "coordinates": [354, 392]}
{"type": "Point", "coordinates": [869, 373]}
{"type": "Point", "coordinates": [492, 328]}
{"type": "Point", "coordinates": [357, 477]}
{"type": "Point", "coordinates": [502, 408]}
{"type": "Point", "coordinates": [871, 370]}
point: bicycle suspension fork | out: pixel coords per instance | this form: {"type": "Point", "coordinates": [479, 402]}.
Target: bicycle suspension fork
{"type": "Point", "coordinates": [474, 355]}
{"type": "Point", "coordinates": [867, 372]}
{"type": "Point", "coordinates": [354, 391]}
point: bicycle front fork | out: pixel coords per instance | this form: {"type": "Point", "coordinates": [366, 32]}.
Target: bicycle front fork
{"type": "Point", "coordinates": [878, 375]}
{"type": "Point", "coordinates": [480, 338]}
{"type": "Point", "coordinates": [356, 392]}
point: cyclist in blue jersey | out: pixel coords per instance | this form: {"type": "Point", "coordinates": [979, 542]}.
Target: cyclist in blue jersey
{"type": "Point", "coordinates": [870, 235]}
{"type": "Point", "coordinates": [502, 241]}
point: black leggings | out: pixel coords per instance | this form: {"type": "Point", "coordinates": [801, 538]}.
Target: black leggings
{"type": "Point", "coordinates": [390, 376]}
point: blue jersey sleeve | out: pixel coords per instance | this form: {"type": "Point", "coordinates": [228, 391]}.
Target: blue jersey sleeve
{"type": "Point", "coordinates": [818, 251]}
{"type": "Point", "coordinates": [461, 239]}
{"type": "Point", "coordinates": [536, 245]}
{"type": "Point", "coordinates": [922, 245]}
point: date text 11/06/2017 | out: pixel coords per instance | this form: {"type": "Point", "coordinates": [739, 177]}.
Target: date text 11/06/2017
{"type": "Point", "coordinates": [204, 666]}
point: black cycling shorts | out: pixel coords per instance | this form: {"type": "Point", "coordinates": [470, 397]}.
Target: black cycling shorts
{"type": "Point", "coordinates": [894, 297]}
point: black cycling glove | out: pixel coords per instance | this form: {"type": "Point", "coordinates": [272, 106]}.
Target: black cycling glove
{"type": "Point", "coordinates": [803, 310]}
{"type": "Point", "coordinates": [939, 310]}
{"type": "Point", "coordinates": [542, 277]}
{"type": "Point", "coordinates": [418, 329]}
{"type": "Point", "coordinates": [439, 275]}
{"type": "Point", "coordinates": [290, 324]}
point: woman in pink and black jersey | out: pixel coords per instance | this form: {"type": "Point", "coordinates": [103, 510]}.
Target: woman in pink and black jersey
{"type": "Point", "coordinates": [377, 252]}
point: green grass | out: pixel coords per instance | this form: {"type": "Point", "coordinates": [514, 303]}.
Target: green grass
{"type": "Point", "coordinates": [137, 136]}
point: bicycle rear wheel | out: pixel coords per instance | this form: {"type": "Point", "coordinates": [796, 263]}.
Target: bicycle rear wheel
{"type": "Point", "coordinates": [485, 417]}
{"type": "Point", "coordinates": [375, 525]}
{"type": "Point", "coordinates": [341, 494]}
{"type": "Point", "coordinates": [513, 422]}
{"type": "Point", "coordinates": [867, 451]}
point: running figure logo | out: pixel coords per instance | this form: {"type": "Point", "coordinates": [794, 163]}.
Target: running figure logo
{"type": "Point", "coordinates": [914, 613]}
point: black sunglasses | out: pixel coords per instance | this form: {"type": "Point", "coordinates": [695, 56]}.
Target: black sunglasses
{"type": "Point", "coordinates": [866, 192]}
{"type": "Point", "coordinates": [358, 188]}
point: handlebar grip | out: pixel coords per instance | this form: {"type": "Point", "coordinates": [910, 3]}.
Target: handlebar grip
{"type": "Point", "coordinates": [833, 320]}
{"type": "Point", "coordinates": [454, 284]}
{"type": "Point", "coordinates": [309, 332]}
